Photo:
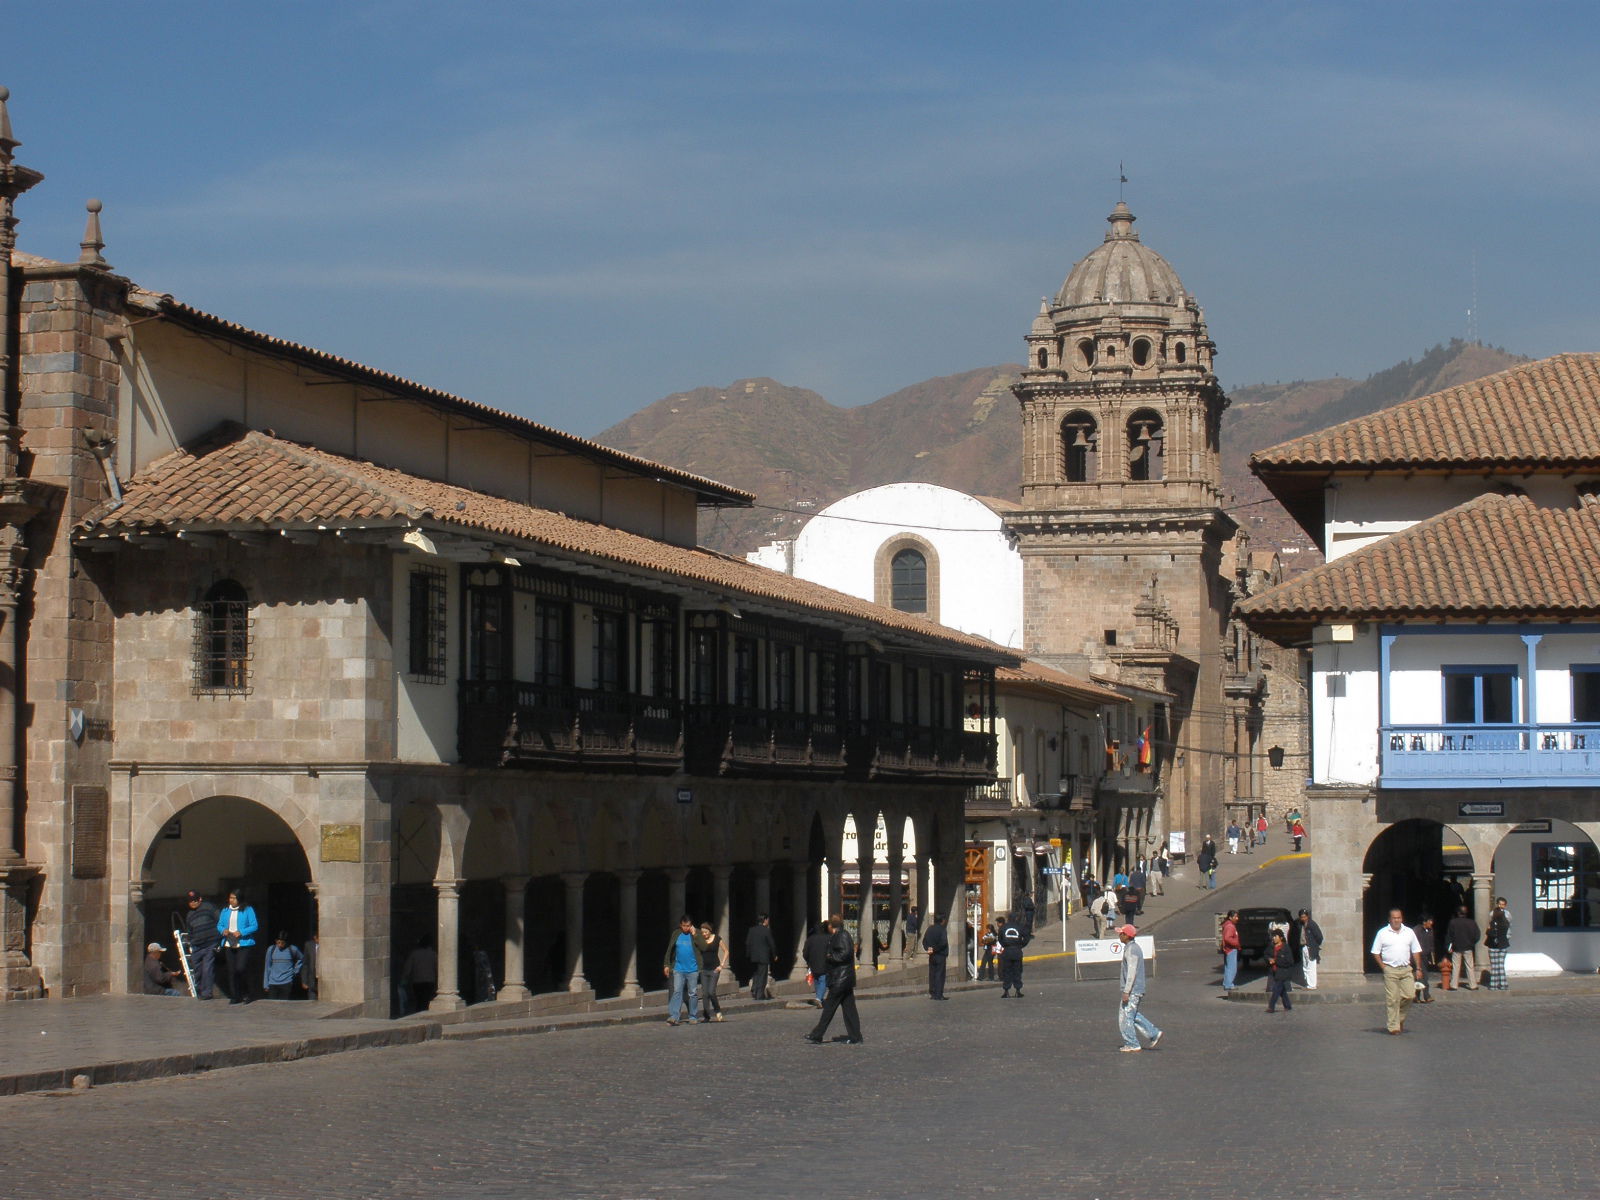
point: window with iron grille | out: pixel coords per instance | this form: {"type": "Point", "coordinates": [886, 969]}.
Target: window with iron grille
{"type": "Point", "coordinates": [552, 625]}
{"type": "Point", "coordinates": [222, 641]}
{"type": "Point", "coordinates": [427, 624]}
{"type": "Point", "coordinates": [783, 680]}
{"type": "Point", "coordinates": [744, 672]}
{"type": "Point", "coordinates": [610, 658]}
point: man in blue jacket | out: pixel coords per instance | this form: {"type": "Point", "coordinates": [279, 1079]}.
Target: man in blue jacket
{"type": "Point", "coordinates": [937, 943]}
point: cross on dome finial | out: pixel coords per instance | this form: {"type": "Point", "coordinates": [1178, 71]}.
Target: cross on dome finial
{"type": "Point", "coordinates": [89, 249]}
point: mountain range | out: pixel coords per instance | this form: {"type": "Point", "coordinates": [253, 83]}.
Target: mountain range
{"type": "Point", "coordinates": [798, 453]}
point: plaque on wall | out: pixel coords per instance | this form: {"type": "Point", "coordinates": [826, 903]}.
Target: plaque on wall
{"type": "Point", "coordinates": [1481, 808]}
{"type": "Point", "coordinates": [341, 843]}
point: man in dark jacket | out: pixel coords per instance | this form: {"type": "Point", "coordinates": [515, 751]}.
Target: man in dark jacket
{"type": "Point", "coordinates": [1013, 937]}
{"type": "Point", "coordinates": [937, 943]}
{"type": "Point", "coordinates": [762, 952]}
{"type": "Point", "coordinates": [816, 955]}
{"type": "Point", "coordinates": [1280, 971]}
{"type": "Point", "coordinates": [841, 985]}
{"type": "Point", "coordinates": [200, 928]}
{"type": "Point", "coordinates": [1305, 939]}
{"type": "Point", "coordinates": [1462, 941]}
{"type": "Point", "coordinates": [1425, 939]}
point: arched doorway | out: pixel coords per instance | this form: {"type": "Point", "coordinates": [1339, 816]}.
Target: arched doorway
{"type": "Point", "coordinates": [1420, 867]}
{"type": "Point", "coordinates": [1549, 872]}
{"type": "Point", "coordinates": [223, 844]}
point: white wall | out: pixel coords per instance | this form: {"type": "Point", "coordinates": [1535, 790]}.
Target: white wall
{"type": "Point", "coordinates": [980, 574]}
{"type": "Point", "coordinates": [1574, 950]}
{"type": "Point", "coordinates": [1344, 709]}
{"type": "Point", "coordinates": [425, 713]}
{"type": "Point", "coordinates": [1359, 513]}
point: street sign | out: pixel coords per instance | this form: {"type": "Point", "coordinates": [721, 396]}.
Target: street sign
{"type": "Point", "coordinates": [1056, 871]}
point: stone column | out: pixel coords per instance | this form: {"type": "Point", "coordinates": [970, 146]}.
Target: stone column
{"type": "Point", "coordinates": [134, 951]}
{"type": "Point", "coordinates": [897, 928]}
{"type": "Point", "coordinates": [800, 906]}
{"type": "Point", "coordinates": [835, 897]}
{"type": "Point", "coordinates": [448, 997]}
{"type": "Point", "coordinates": [1482, 901]}
{"type": "Point", "coordinates": [719, 899]}
{"type": "Point", "coordinates": [575, 881]}
{"type": "Point", "coordinates": [677, 894]}
{"type": "Point", "coordinates": [629, 903]}
{"type": "Point", "coordinates": [866, 937]}
{"type": "Point", "coordinates": [515, 985]}
{"type": "Point", "coordinates": [952, 901]}
{"type": "Point", "coordinates": [920, 895]}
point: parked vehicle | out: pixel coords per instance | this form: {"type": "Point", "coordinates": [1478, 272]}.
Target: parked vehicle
{"type": "Point", "coordinates": [1255, 930]}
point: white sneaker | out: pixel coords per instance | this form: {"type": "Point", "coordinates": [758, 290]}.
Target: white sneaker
{"type": "Point", "coordinates": [1132, 1049]}
{"type": "Point", "coordinates": [1156, 1041]}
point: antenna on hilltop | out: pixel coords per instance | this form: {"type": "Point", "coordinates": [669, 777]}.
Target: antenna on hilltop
{"type": "Point", "coordinates": [1472, 313]}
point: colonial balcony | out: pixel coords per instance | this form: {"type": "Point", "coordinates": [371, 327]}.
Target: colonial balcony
{"type": "Point", "coordinates": [913, 752]}
{"type": "Point", "coordinates": [1487, 756]}
{"type": "Point", "coordinates": [1243, 685]}
{"type": "Point", "coordinates": [724, 740]}
{"type": "Point", "coordinates": [512, 724]}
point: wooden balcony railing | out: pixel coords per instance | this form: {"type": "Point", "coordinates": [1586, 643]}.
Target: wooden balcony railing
{"type": "Point", "coordinates": [511, 723]}
{"type": "Point", "coordinates": [1469, 756]}
{"type": "Point", "coordinates": [727, 740]}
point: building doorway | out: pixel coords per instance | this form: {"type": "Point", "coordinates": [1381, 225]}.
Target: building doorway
{"type": "Point", "coordinates": [1422, 868]}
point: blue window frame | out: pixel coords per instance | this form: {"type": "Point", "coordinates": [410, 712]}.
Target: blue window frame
{"type": "Point", "coordinates": [1586, 693]}
{"type": "Point", "coordinates": [1479, 695]}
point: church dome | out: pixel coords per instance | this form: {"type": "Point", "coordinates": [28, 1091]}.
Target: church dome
{"type": "Point", "coordinates": [1121, 270]}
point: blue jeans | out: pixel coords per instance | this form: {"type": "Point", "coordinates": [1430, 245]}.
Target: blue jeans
{"type": "Point", "coordinates": [1230, 969]}
{"type": "Point", "coordinates": [821, 985]}
{"type": "Point", "coordinates": [1131, 1023]}
{"type": "Point", "coordinates": [680, 981]}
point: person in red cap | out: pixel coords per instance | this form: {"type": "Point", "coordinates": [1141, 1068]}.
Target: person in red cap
{"type": "Point", "coordinates": [1130, 1021]}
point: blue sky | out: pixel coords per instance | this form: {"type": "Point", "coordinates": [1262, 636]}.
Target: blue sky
{"type": "Point", "coordinates": [571, 210]}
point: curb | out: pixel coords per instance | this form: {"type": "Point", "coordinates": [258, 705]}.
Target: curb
{"type": "Point", "coordinates": [168, 1066]}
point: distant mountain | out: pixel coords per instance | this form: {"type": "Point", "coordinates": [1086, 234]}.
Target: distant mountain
{"type": "Point", "coordinates": [797, 452]}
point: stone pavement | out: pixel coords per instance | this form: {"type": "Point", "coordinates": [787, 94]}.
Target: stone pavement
{"type": "Point", "coordinates": [979, 1096]}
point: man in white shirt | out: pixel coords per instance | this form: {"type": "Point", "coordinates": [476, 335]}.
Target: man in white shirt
{"type": "Point", "coordinates": [1399, 956]}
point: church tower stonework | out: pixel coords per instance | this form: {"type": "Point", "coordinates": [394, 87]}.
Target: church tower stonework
{"type": "Point", "coordinates": [1122, 528]}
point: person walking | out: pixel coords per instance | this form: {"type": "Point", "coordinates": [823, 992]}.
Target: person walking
{"type": "Point", "coordinates": [913, 926]}
{"type": "Point", "coordinates": [713, 962]}
{"type": "Point", "coordinates": [1101, 912]}
{"type": "Point", "coordinates": [1206, 860]}
{"type": "Point", "coordinates": [1013, 937]}
{"type": "Point", "coordinates": [1497, 939]}
{"type": "Point", "coordinates": [1461, 940]}
{"type": "Point", "coordinates": [1399, 957]}
{"type": "Point", "coordinates": [681, 965]}
{"type": "Point", "coordinates": [281, 967]}
{"type": "Point", "coordinates": [1130, 1021]}
{"type": "Point", "coordinates": [815, 954]}
{"type": "Point", "coordinates": [1234, 834]}
{"type": "Point", "coordinates": [1138, 880]}
{"type": "Point", "coordinates": [937, 943]}
{"type": "Point", "coordinates": [991, 946]}
{"type": "Point", "coordinates": [200, 927]}
{"type": "Point", "coordinates": [1280, 973]}
{"type": "Point", "coordinates": [1159, 866]}
{"type": "Point", "coordinates": [237, 926]}
{"type": "Point", "coordinates": [1298, 832]}
{"type": "Point", "coordinates": [842, 984]}
{"type": "Point", "coordinates": [1230, 951]}
{"type": "Point", "coordinates": [1425, 939]}
{"type": "Point", "coordinates": [1261, 830]}
{"type": "Point", "coordinates": [762, 952]}
{"type": "Point", "coordinates": [1308, 946]}
{"type": "Point", "coordinates": [419, 977]}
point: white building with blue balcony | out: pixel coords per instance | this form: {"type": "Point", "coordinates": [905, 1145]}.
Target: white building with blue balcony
{"type": "Point", "coordinates": [1455, 646]}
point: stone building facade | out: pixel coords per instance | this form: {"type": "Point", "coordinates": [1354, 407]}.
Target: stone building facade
{"type": "Point", "coordinates": [400, 666]}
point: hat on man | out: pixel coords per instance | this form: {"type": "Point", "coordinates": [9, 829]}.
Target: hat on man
{"type": "Point", "coordinates": [155, 946]}
{"type": "Point", "coordinates": [194, 895]}
{"type": "Point", "coordinates": [1128, 931]}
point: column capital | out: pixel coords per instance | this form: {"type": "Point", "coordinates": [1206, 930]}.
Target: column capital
{"type": "Point", "coordinates": [629, 875]}
{"type": "Point", "coordinates": [515, 883]}
{"type": "Point", "coordinates": [721, 871]}
{"type": "Point", "coordinates": [448, 887]}
{"type": "Point", "coordinates": [311, 888]}
{"type": "Point", "coordinates": [677, 874]}
{"type": "Point", "coordinates": [574, 879]}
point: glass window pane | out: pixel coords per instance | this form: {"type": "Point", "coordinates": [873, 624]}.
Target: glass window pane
{"type": "Point", "coordinates": [1460, 699]}
{"type": "Point", "coordinates": [1497, 693]}
{"type": "Point", "coordinates": [1586, 696]}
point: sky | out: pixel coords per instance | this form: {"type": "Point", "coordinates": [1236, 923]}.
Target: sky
{"type": "Point", "coordinates": [571, 210]}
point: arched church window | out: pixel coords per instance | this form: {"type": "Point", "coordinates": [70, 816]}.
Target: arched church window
{"type": "Point", "coordinates": [908, 581]}
{"type": "Point", "coordinates": [222, 640]}
{"type": "Point", "coordinates": [1146, 446]}
{"type": "Point", "coordinates": [1086, 352]}
{"type": "Point", "coordinates": [1078, 447]}
{"type": "Point", "coordinates": [1043, 358]}
{"type": "Point", "coordinates": [1180, 352]}
{"type": "Point", "coordinates": [1141, 352]}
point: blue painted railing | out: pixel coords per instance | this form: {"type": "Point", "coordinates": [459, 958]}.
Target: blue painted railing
{"type": "Point", "coordinates": [1488, 755]}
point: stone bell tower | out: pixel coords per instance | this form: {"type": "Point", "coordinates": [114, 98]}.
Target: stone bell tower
{"type": "Point", "coordinates": [1121, 528]}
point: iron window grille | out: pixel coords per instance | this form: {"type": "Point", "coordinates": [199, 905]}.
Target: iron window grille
{"type": "Point", "coordinates": [427, 642]}
{"type": "Point", "coordinates": [222, 642]}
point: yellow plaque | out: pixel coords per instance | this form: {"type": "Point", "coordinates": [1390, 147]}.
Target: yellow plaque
{"type": "Point", "coordinates": [341, 843]}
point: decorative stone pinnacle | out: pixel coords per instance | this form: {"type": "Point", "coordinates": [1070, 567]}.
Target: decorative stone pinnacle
{"type": "Point", "coordinates": [7, 142]}
{"type": "Point", "coordinates": [89, 249]}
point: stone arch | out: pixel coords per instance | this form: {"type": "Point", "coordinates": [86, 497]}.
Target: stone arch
{"type": "Point", "coordinates": [1146, 432]}
{"type": "Point", "coordinates": [493, 844]}
{"type": "Point", "coordinates": [1080, 447]}
{"type": "Point", "coordinates": [1418, 866]}
{"type": "Point", "coordinates": [884, 586]}
{"type": "Point", "coordinates": [1549, 872]}
{"type": "Point", "coordinates": [274, 797]}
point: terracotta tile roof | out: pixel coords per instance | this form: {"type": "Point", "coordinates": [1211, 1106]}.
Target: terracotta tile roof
{"type": "Point", "coordinates": [1495, 557]}
{"type": "Point", "coordinates": [248, 481]}
{"type": "Point", "coordinates": [1544, 414]}
{"type": "Point", "coordinates": [1037, 675]}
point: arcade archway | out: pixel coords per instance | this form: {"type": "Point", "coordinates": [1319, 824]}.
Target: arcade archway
{"type": "Point", "coordinates": [1420, 867]}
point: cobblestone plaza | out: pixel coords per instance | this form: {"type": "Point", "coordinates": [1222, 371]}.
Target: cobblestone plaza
{"type": "Point", "coordinates": [976, 1096]}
